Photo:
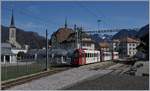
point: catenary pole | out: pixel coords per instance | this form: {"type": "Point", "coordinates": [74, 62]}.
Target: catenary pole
{"type": "Point", "coordinates": [46, 50]}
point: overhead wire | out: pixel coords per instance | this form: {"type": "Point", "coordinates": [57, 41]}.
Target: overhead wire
{"type": "Point", "coordinates": [35, 17]}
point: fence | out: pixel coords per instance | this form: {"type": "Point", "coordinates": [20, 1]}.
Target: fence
{"type": "Point", "coordinates": [21, 68]}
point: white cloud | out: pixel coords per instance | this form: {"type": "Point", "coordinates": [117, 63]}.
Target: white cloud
{"type": "Point", "coordinates": [30, 26]}
{"type": "Point", "coordinates": [33, 9]}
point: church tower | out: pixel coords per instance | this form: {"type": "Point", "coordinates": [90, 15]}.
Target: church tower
{"type": "Point", "coordinates": [12, 30]}
{"type": "Point", "coordinates": [12, 33]}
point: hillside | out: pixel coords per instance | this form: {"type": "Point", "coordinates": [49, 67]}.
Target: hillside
{"type": "Point", "coordinates": [143, 31]}
{"type": "Point", "coordinates": [144, 36]}
{"type": "Point", "coordinates": [125, 32]}
{"type": "Point", "coordinates": [33, 39]}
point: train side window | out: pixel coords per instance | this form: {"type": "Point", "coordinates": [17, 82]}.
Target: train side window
{"type": "Point", "coordinates": [86, 54]}
{"type": "Point", "coordinates": [95, 55]}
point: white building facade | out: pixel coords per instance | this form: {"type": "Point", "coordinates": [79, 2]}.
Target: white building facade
{"type": "Point", "coordinates": [128, 47]}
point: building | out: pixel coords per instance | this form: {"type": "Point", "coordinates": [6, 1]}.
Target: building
{"type": "Point", "coordinates": [68, 38]}
{"type": "Point", "coordinates": [88, 43]}
{"type": "Point", "coordinates": [104, 46]}
{"type": "Point", "coordinates": [115, 44]}
{"type": "Point", "coordinates": [6, 54]}
{"type": "Point", "coordinates": [9, 53]}
{"type": "Point", "coordinates": [60, 35]}
{"type": "Point", "coordinates": [127, 47]}
{"type": "Point", "coordinates": [12, 33]}
{"type": "Point", "coordinates": [78, 41]}
{"type": "Point", "coordinates": [10, 49]}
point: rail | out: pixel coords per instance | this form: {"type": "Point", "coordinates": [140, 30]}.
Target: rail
{"type": "Point", "coordinates": [28, 78]}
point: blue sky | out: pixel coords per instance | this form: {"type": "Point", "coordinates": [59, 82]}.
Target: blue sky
{"type": "Point", "coordinates": [37, 16]}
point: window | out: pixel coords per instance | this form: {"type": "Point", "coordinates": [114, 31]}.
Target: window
{"type": "Point", "coordinates": [76, 54]}
{"type": "Point", "coordinates": [96, 55]}
{"type": "Point", "coordinates": [88, 55]}
{"type": "Point", "coordinates": [93, 55]}
{"type": "Point", "coordinates": [2, 57]}
{"type": "Point", "coordinates": [84, 44]}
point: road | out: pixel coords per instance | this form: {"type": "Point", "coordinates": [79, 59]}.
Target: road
{"type": "Point", "coordinates": [115, 80]}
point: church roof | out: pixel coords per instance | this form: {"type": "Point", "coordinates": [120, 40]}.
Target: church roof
{"type": "Point", "coordinates": [12, 24]}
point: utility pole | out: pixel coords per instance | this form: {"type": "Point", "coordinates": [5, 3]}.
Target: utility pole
{"type": "Point", "coordinates": [75, 29]}
{"type": "Point", "coordinates": [81, 37]}
{"type": "Point", "coordinates": [46, 50]}
{"type": "Point", "coordinates": [77, 38]}
{"type": "Point", "coordinates": [112, 50]}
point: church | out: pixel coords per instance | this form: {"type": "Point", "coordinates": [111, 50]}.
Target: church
{"type": "Point", "coordinates": [11, 48]}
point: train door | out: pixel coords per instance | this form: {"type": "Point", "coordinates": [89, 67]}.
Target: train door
{"type": "Point", "coordinates": [83, 59]}
{"type": "Point", "coordinates": [97, 55]}
{"type": "Point", "coordinates": [102, 56]}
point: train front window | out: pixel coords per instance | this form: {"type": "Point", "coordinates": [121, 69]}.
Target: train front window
{"type": "Point", "coordinates": [76, 54]}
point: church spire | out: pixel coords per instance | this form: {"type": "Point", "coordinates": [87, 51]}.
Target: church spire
{"type": "Point", "coordinates": [12, 24]}
{"type": "Point", "coordinates": [66, 23]}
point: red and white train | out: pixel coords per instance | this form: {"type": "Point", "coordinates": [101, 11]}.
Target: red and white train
{"type": "Point", "coordinates": [84, 56]}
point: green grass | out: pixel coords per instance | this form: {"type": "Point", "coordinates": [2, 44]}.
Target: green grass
{"type": "Point", "coordinates": [12, 72]}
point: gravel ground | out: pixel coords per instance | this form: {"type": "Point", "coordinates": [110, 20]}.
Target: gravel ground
{"type": "Point", "coordinates": [113, 82]}
{"type": "Point", "coordinates": [64, 79]}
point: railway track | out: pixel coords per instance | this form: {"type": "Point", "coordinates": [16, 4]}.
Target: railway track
{"type": "Point", "coordinates": [120, 70]}
{"type": "Point", "coordinates": [24, 79]}
{"type": "Point", "coordinates": [28, 78]}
